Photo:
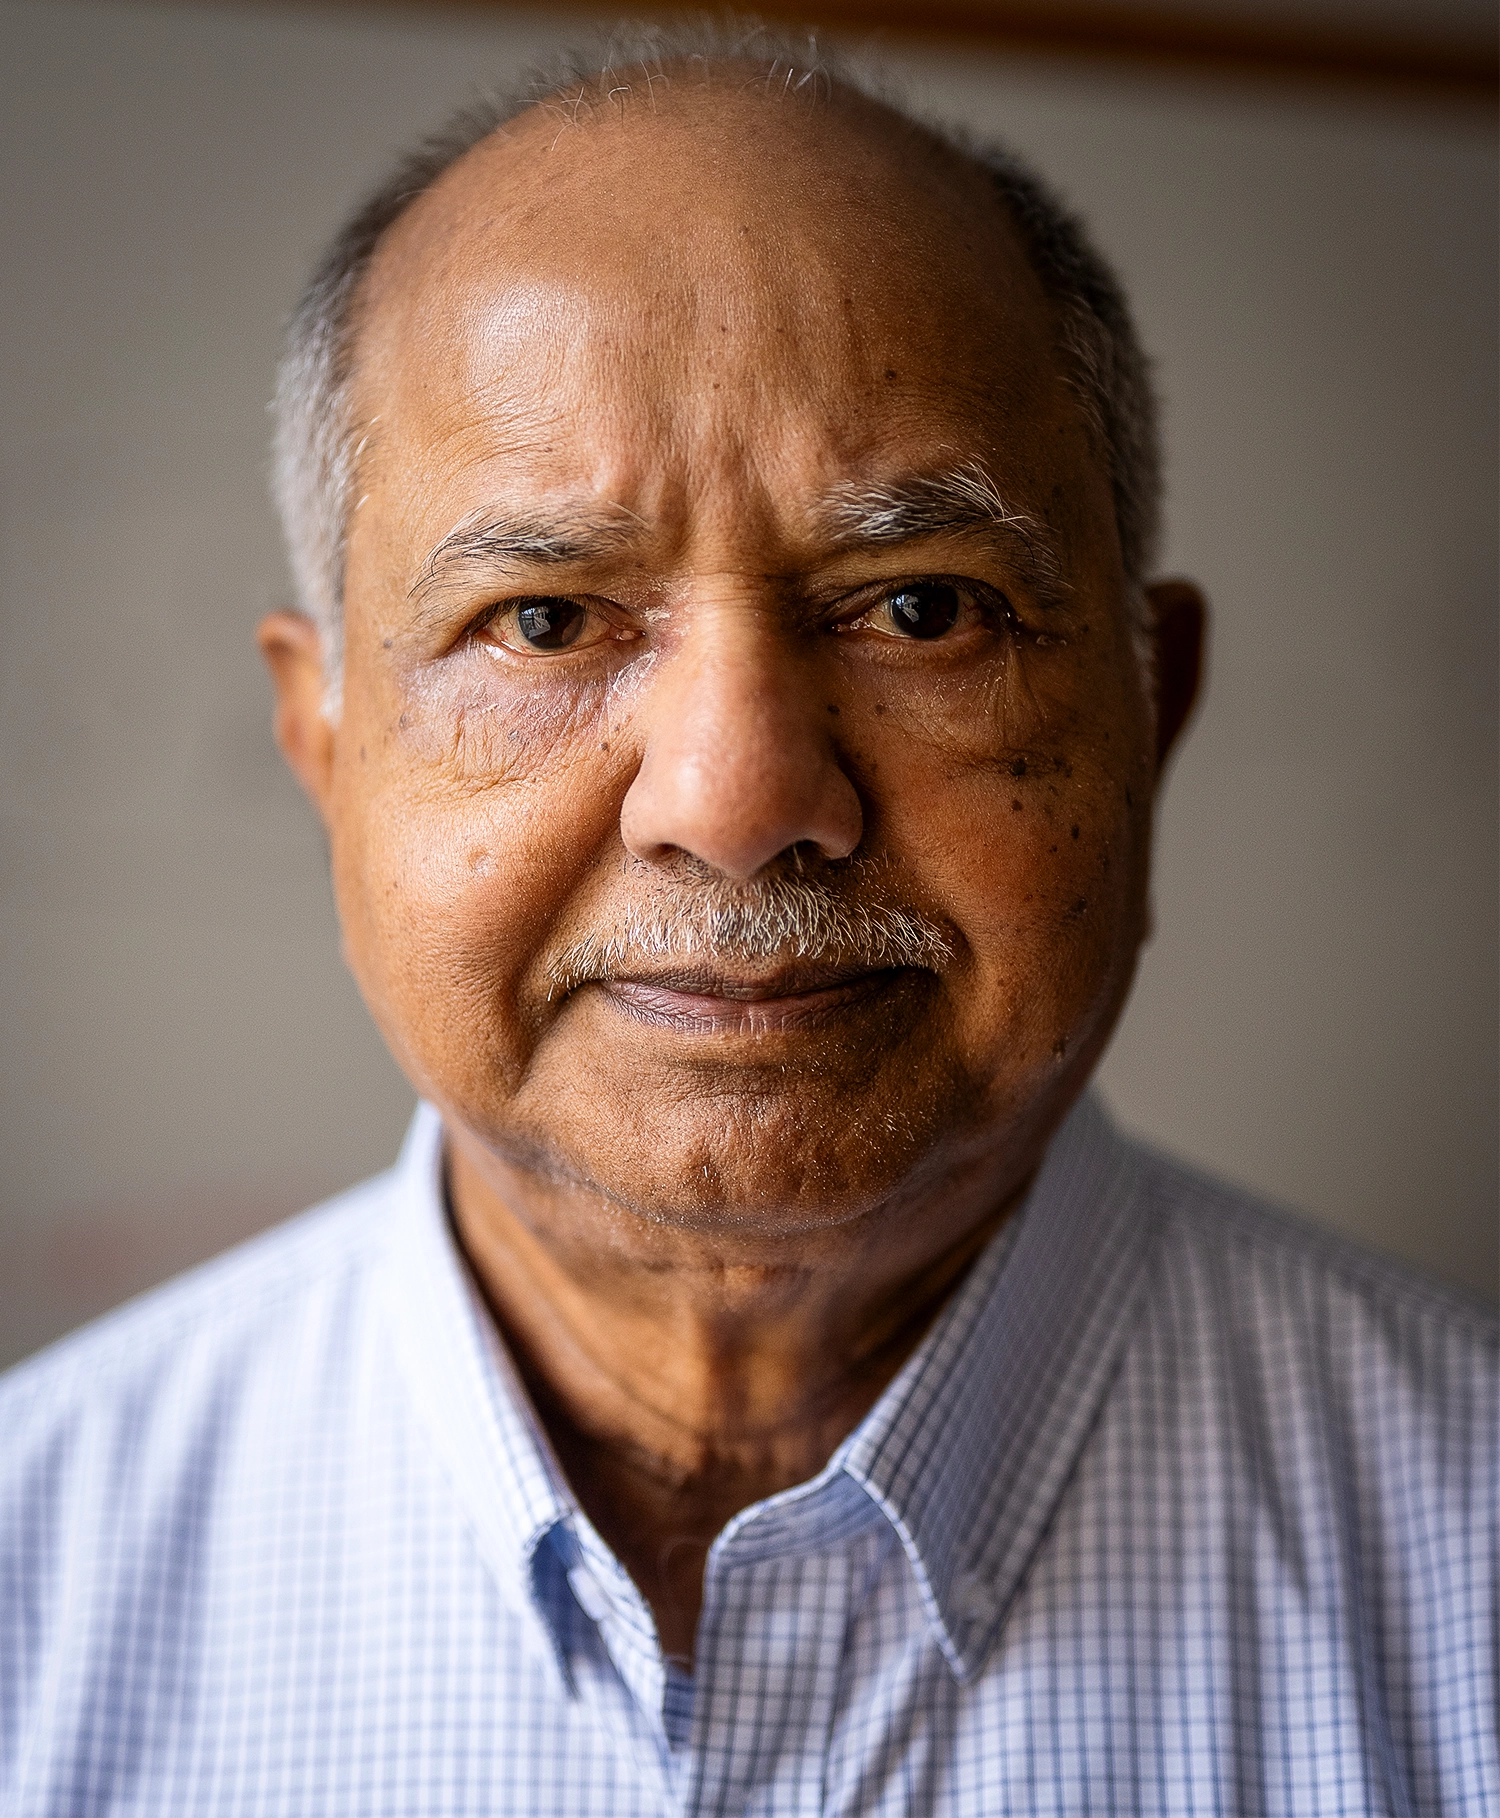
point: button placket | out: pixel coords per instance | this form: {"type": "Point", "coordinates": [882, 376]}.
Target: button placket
{"type": "Point", "coordinates": [770, 1656]}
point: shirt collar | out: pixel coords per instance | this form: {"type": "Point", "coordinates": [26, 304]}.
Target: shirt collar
{"type": "Point", "coordinates": [469, 1398]}
{"type": "Point", "coordinates": [969, 1449]}
{"type": "Point", "coordinates": [965, 1453]}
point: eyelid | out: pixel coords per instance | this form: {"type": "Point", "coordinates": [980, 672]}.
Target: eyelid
{"type": "Point", "coordinates": [980, 596]}
{"type": "Point", "coordinates": [598, 632]}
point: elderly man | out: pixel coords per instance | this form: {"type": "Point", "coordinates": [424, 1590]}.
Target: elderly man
{"type": "Point", "coordinates": [766, 1384]}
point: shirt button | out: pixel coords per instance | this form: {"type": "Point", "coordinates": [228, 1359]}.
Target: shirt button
{"type": "Point", "coordinates": [593, 1599]}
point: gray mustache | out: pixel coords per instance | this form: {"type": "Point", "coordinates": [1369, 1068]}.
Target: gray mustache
{"type": "Point", "coordinates": [786, 917]}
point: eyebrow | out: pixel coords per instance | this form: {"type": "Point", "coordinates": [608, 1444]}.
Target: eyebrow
{"type": "Point", "coordinates": [494, 538]}
{"type": "Point", "coordinates": [963, 499]}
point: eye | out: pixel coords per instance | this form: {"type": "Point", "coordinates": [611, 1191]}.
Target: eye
{"type": "Point", "coordinates": [537, 627]}
{"type": "Point", "coordinates": [920, 609]}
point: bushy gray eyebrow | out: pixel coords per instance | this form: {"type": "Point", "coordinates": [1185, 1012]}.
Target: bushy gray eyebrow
{"type": "Point", "coordinates": [961, 499]}
{"type": "Point", "coordinates": [854, 515]}
{"type": "Point", "coordinates": [501, 539]}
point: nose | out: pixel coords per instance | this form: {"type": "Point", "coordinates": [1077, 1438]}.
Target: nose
{"type": "Point", "coordinates": [739, 761]}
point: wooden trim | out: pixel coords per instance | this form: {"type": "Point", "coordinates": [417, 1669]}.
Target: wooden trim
{"type": "Point", "coordinates": [1444, 67]}
{"type": "Point", "coordinates": [1437, 66]}
{"type": "Point", "coordinates": [1466, 69]}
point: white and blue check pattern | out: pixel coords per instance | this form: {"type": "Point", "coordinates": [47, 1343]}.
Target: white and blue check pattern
{"type": "Point", "coordinates": [1179, 1508]}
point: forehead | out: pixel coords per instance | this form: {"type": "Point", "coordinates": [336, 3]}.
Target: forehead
{"type": "Point", "coordinates": [727, 283]}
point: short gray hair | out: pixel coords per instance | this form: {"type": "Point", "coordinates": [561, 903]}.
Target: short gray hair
{"type": "Point", "coordinates": [317, 446]}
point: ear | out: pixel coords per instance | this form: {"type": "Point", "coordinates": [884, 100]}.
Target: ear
{"type": "Point", "coordinates": [1179, 617]}
{"type": "Point", "coordinates": [294, 655]}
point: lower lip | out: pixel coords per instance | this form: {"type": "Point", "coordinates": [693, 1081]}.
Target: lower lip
{"type": "Point", "coordinates": [702, 1014]}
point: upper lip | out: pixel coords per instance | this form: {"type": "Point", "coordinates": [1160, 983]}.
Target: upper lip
{"type": "Point", "coordinates": [796, 979]}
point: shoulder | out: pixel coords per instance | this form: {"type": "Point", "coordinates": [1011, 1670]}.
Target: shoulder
{"type": "Point", "coordinates": [1303, 1330]}
{"type": "Point", "coordinates": [1284, 1257]}
{"type": "Point", "coordinates": [168, 1359]}
{"type": "Point", "coordinates": [129, 1445]}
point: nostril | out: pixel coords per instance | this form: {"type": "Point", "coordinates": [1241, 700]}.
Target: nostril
{"type": "Point", "coordinates": [737, 772]}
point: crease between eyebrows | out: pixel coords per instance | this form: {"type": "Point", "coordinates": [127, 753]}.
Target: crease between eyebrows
{"type": "Point", "coordinates": [963, 499]}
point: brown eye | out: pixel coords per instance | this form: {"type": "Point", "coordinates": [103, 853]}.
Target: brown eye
{"type": "Point", "coordinates": [544, 625]}
{"type": "Point", "coordinates": [923, 609]}
{"type": "Point", "coordinates": [547, 624]}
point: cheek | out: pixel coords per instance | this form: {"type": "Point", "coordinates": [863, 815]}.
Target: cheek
{"type": "Point", "coordinates": [475, 721]}
{"type": "Point", "coordinates": [1021, 796]}
{"type": "Point", "coordinates": [1027, 755]}
{"type": "Point", "coordinates": [1050, 897]}
{"type": "Point", "coordinates": [1049, 856]}
{"type": "Point", "coordinates": [448, 884]}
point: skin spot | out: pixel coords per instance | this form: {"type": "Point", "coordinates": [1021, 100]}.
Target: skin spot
{"type": "Point", "coordinates": [1018, 767]}
{"type": "Point", "coordinates": [1015, 805]}
{"type": "Point", "coordinates": [890, 372]}
{"type": "Point", "coordinates": [604, 746]}
{"type": "Point", "coordinates": [1079, 906]}
{"type": "Point", "coordinates": [880, 706]}
{"type": "Point", "coordinates": [386, 643]}
{"type": "Point", "coordinates": [1129, 798]}
{"type": "Point", "coordinates": [1052, 849]}
{"type": "Point", "coordinates": [1075, 832]}
{"type": "Point", "coordinates": [361, 754]}
{"type": "Point", "coordinates": [833, 710]}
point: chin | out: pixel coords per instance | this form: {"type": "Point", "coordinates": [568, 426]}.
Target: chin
{"type": "Point", "coordinates": [778, 1151]}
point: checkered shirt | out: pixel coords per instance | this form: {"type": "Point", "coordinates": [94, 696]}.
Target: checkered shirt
{"type": "Point", "coordinates": [1180, 1508]}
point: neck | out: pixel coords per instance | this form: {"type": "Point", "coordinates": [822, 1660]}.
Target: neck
{"type": "Point", "coordinates": [681, 1378]}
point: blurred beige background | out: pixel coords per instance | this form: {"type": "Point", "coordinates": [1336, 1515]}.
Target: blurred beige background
{"type": "Point", "coordinates": [185, 1058]}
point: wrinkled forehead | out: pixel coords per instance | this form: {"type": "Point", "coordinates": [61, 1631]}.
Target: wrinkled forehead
{"type": "Point", "coordinates": [726, 279]}
{"type": "Point", "coordinates": [721, 215]}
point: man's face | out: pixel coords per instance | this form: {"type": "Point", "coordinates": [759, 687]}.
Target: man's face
{"type": "Point", "coordinates": [728, 533]}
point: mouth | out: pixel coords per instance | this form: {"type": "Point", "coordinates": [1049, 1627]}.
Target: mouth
{"type": "Point", "coordinates": [750, 1003]}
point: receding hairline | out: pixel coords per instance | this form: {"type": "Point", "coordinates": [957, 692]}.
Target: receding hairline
{"type": "Point", "coordinates": [425, 228]}
{"type": "Point", "coordinates": [552, 120]}
{"type": "Point", "coordinates": [319, 441]}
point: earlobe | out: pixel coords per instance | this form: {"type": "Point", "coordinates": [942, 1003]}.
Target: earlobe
{"type": "Point", "coordinates": [1179, 617]}
{"type": "Point", "coordinates": [293, 651]}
